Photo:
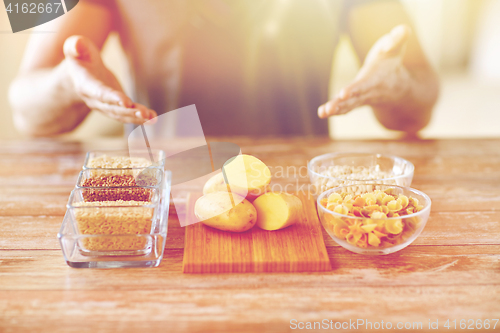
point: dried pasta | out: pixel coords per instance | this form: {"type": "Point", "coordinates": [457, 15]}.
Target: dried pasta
{"type": "Point", "coordinates": [378, 225]}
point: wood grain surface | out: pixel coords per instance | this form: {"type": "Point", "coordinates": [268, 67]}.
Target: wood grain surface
{"type": "Point", "coordinates": [298, 248]}
{"type": "Point", "coordinates": [452, 271]}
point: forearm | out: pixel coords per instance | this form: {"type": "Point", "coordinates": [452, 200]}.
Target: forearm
{"type": "Point", "coordinates": [45, 103]}
{"type": "Point", "coordinates": [413, 111]}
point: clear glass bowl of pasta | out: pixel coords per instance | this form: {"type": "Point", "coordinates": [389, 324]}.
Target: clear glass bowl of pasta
{"type": "Point", "coordinates": [373, 219]}
{"type": "Point", "coordinates": [337, 169]}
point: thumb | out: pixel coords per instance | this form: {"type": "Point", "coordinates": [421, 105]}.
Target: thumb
{"type": "Point", "coordinates": [390, 45]}
{"type": "Point", "coordinates": [81, 48]}
{"type": "Point", "coordinates": [397, 39]}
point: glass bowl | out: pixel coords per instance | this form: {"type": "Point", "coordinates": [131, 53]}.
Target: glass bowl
{"type": "Point", "coordinates": [366, 167]}
{"type": "Point", "coordinates": [412, 224]}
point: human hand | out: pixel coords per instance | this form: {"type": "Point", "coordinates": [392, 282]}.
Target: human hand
{"type": "Point", "coordinates": [383, 78]}
{"type": "Point", "coordinates": [97, 87]}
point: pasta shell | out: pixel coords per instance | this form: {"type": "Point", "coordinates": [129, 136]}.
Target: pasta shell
{"type": "Point", "coordinates": [373, 240]}
{"type": "Point", "coordinates": [353, 238]}
{"type": "Point", "coordinates": [379, 234]}
{"type": "Point", "coordinates": [362, 242]}
{"type": "Point", "coordinates": [369, 227]}
{"type": "Point", "coordinates": [373, 208]}
{"type": "Point", "coordinates": [359, 202]}
{"type": "Point", "coordinates": [394, 226]}
{"type": "Point", "coordinates": [413, 201]}
{"type": "Point", "coordinates": [341, 209]}
{"type": "Point", "coordinates": [357, 212]}
{"type": "Point", "coordinates": [389, 191]}
{"type": "Point", "coordinates": [378, 215]}
{"type": "Point", "coordinates": [365, 212]}
{"type": "Point", "coordinates": [387, 199]}
{"type": "Point", "coordinates": [334, 197]}
{"type": "Point", "coordinates": [379, 197]}
{"type": "Point", "coordinates": [341, 229]}
{"type": "Point", "coordinates": [403, 200]}
{"type": "Point", "coordinates": [394, 206]}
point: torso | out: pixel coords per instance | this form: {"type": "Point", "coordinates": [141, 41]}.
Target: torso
{"type": "Point", "coordinates": [252, 67]}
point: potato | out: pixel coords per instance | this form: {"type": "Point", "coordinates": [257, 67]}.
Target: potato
{"type": "Point", "coordinates": [215, 184]}
{"type": "Point", "coordinates": [248, 176]}
{"type": "Point", "coordinates": [277, 210]}
{"type": "Point", "coordinates": [216, 210]}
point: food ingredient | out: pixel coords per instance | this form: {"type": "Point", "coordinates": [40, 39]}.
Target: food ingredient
{"type": "Point", "coordinates": [247, 176]}
{"type": "Point", "coordinates": [225, 211]}
{"type": "Point", "coordinates": [128, 192]}
{"type": "Point", "coordinates": [372, 219]}
{"type": "Point", "coordinates": [98, 218]}
{"type": "Point", "coordinates": [216, 183]}
{"type": "Point", "coordinates": [277, 210]}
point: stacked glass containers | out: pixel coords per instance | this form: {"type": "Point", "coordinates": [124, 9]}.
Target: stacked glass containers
{"type": "Point", "coordinates": [117, 215]}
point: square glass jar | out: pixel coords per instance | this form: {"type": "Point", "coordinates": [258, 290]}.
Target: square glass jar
{"type": "Point", "coordinates": [118, 235]}
{"type": "Point", "coordinates": [119, 184]}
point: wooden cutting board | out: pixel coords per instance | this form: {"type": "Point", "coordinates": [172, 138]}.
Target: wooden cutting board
{"type": "Point", "coordinates": [298, 248]}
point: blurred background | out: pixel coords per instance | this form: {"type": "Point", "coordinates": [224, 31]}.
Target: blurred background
{"type": "Point", "coordinates": [460, 37]}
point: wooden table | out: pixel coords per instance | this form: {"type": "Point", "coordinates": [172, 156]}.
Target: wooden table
{"type": "Point", "coordinates": [452, 271]}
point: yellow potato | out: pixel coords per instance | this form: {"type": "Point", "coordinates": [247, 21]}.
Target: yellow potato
{"type": "Point", "coordinates": [217, 211]}
{"type": "Point", "coordinates": [248, 176]}
{"type": "Point", "coordinates": [215, 184]}
{"type": "Point", "coordinates": [277, 210]}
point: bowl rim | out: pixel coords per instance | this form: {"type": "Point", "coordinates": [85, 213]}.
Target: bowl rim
{"type": "Point", "coordinates": [406, 173]}
{"type": "Point", "coordinates": [329, 191]}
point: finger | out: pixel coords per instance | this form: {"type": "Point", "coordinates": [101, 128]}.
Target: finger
{"type": "Point", "coordinates": [97, 90]}
{"type": "Point", "coordinates": [120, 116]}
{"type": "Point", "coordinates": [138, 112]}
{"type": "Point", "coordinates": [344, 107]}
{"type": "Point", "coordinates": [134, 110]}
{"type": "Point", "coordinates": [69, 47]}
{"type": "Point", "coordinates": [112, 96]}
{"type": "Point", "coordinates": [126, 115]}
{"type": "Point", "coordinates": [336, 107]}
{"type": "Point", "coordinates": [145, 113]}
{"type": "Point", "coordinates": [366, 82]}
{"type": "Point", "coordinates": [342, 104]}
{"type": "Point", "coordinates": [153, 117]}
{"type": "Point", "coordinates": [397, 39]}
{"type": "Point", "coordinates": [331, 108]}
{"type": "Point", "coordinates": [390, 45]}
{"type": "Point", "coordinates": [153, 120]}
{"type": "Point", "coordinates": [81, 48]}
{"type": "Point", "coordinates": [355, 91]}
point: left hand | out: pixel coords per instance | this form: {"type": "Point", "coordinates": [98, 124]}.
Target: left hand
{"type": "Point", "coordinates": [383, 79]}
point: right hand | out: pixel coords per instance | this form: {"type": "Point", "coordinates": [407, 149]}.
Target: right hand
{"type": "Point", "coordinates": [97, 87]}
